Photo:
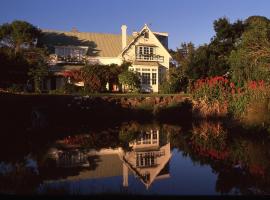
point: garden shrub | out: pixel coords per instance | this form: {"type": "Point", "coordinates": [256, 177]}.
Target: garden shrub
{"type": "Point", "coordinates": [15, 88]}
{"type": "Point", "coordinates": [217, 95]}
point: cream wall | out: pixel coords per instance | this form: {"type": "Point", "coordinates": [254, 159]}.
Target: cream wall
{"type": "Point", "coordinates": [110, 60]}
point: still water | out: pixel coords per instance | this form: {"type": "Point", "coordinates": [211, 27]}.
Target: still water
{"type": "Point", "coordinates": [134, 158]}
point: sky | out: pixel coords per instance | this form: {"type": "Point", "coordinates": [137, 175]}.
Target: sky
{"type": "Point", "coordinates": [184, 20]}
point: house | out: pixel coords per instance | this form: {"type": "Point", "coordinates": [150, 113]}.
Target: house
{"type": "Point", "coordinates": [146, 50]}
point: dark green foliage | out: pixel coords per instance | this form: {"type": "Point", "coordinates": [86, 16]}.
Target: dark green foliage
{"type": "Point", "coordinates": [96, 77]}
{"type": "Point", "coordinates": [19, 64]}
{"type": "Point", "coordinates": [129, 79]}
{"type": "Point", "coordinates": [18, 33]}
{"type": "Point", "coordinates": [177, 82]}
{"type": "Point", "coordinates": [251, 59]}
{"type": "Point", "coordinates": [38, 73]}
{"type": "Point", "coordinates": [211, 59]}
{"type": "Point", "coordinates": [13, 67]}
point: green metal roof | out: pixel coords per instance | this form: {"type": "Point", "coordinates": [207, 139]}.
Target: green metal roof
{"type": "Point", "coordinates": [100, 44]}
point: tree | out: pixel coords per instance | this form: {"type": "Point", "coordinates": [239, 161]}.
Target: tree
{"type": "Point", "coordinates": [38, 73]}
{"type": "Point", "coordinates": [199, 65]}
{"type": "Point", "coordinates": [211, 59]}
{"type": "Point", "coordinates": [251, 59]}
{"type": "Point", "coordinates": [222, 44]}
{"type": "Point", "coordinates": [177, 82]}
{"type": "Point", "coordinates": [99, 74]}
{"type": "Point", "coordinates": [18, 33]}
{"type": "Point", "coordinates": [13, 67]}
{"type": "Point", "coordinates": [129, 79]}
{"type": "Point", "coordinates": [183, 56]}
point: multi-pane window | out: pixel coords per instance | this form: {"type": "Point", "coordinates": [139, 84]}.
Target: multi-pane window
{"type": "Point", "coordinates": [145, 52]}
{"type": "Point", "coordinates": [146, 78]}
{"type": "Point", "coordinates": [154, 78]}
{"type": "Point", "coordinates": [145, 159]}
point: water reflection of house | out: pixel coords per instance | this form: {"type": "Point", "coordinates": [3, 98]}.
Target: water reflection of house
{"type": "Point", "coordinates": [148, 160]}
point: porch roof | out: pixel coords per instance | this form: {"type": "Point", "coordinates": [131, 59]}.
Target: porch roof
{"type": "Point", "coordinates": [146, 63]}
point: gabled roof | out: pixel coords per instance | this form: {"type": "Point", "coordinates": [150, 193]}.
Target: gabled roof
{"type": "Point", "coordinates": [100, 44]}
{"type": "Point", "coordinates": [139, 34]}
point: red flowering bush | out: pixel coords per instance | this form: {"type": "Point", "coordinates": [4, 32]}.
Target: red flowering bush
{"type": "Point", "coordinates": [75, 75]}
{"type": "Point", "coordinates": [211, 96]}
{"type": "Point", "coordinates": [213, 89]}
{"type": "Point", "coordinates": [217, 95]}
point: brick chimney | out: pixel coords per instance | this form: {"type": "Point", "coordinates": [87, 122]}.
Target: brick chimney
{"type": "Point", "coordinates": [124, 36]}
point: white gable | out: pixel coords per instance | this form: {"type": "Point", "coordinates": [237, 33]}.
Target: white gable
{"type": "Point", "coordinates": [129, 52]}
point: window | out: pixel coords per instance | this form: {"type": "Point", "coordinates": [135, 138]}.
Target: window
{"type": "Point", "coordinates": [141, 160]}
{"type": "Point", "coordinates": [151, 50]}
{"type": "Point", "coordinates": [146, 34]}
{"type": "Point", "coordinates": [154, 78]}
{"type": "Point", "coordinates": [140, 50]}
{"type": "Point", "coordinates": [146, 78]}
{"type": "Point", "coordinates": [145, 52]}
{"type": "Point", "coordinates": [154, 135]}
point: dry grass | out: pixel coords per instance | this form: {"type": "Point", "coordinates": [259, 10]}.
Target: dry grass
{"type": "Point", "coordinates": [204, 109]}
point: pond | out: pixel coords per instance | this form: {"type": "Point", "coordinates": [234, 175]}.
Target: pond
{"type": "Point", "coordinates": [202, 158]}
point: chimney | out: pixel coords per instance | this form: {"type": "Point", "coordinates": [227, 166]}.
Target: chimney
{"type": "Point", "coordinates": [74, 30]}
{"type": "Point", "coordinates": [124, 36]}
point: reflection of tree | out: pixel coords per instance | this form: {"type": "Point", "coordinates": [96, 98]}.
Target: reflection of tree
{"type": "Point", "coordinates": [19, 179]}
{"type": "Point", "coordinates": [241, 163]}
{"type": "Point", "coordinates": [93, 139]}
{"type": "Point", "coordinates": [209, 139]}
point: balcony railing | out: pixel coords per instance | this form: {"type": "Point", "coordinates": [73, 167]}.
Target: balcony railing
{"type": "Point", "coordinates": [149, 57]}
{"type": "Point", "coordinates": [54, 59]}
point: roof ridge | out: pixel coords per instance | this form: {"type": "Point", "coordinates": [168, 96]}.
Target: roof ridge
{"type": "Point", "coordinates": [79, 32]}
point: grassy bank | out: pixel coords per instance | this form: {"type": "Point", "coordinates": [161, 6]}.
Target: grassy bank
{"type": "Point", "coordinates": [73, 110]}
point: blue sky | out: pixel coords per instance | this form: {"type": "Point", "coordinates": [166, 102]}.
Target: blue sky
{"type": "Point", "coordinates": [184, 20]}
